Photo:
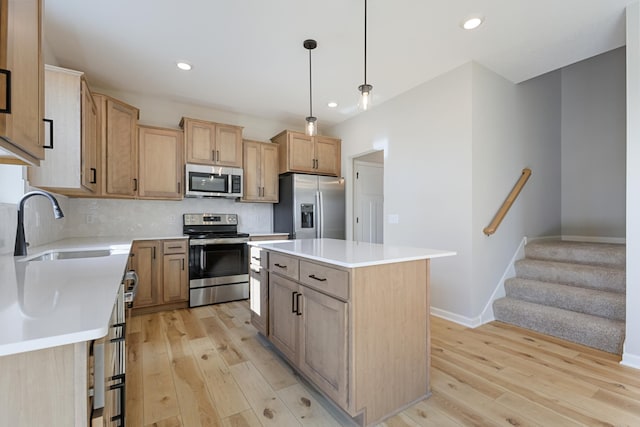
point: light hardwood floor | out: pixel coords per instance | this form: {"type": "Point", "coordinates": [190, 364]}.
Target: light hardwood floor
{"type": "Point", "coordinates": [205, 367]}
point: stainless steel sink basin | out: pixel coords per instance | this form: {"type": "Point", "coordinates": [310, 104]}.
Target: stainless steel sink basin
{"type": "Point", "coordinates": [57, 255]}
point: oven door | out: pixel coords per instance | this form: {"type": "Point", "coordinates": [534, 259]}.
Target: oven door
{"type": "Point", "coordinates": [218, 272]}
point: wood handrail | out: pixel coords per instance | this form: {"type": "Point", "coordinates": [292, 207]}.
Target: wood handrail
{"type": "Point", "coordinates": [491, 228]}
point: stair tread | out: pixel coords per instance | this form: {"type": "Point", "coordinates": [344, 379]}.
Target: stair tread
{"type": "Point", "coordinates": [598, 332]}
{"type": "Point", "coordinates": [607, 254]}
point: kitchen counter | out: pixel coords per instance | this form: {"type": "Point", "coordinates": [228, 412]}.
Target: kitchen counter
{"type": "Point", "coordinates": [51, 303]}
{"type": "Point", "coordinates": [351, 254]}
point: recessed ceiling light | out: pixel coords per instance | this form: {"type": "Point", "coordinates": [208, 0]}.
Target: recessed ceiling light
{"type": "Point", "coordinates": [472, 22]}
{"type": "Point", "coordinates": [332, 104]}
{"type": "Point", "coordinates": [183, 65]}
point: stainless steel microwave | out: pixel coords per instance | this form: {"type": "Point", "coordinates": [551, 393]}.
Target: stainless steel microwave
{"type": "Point", "coordinates": [213, 181]}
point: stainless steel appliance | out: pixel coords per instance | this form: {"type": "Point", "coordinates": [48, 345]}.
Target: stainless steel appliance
{"type": "Point", "coordinates": [218, 258]}
{"type": "Point", "coordinates": [310, 206]}
{"type": "Point", "coordinates": [213, 181]}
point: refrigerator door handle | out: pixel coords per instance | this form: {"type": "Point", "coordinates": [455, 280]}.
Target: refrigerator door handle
{"type": "Point", "coordinates": [321, 218]}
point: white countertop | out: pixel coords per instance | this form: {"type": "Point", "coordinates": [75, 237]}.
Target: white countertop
{"type": "Point", "coordinates": [50, 303]}
{"type": "Point", "coordinates": [350, 254]}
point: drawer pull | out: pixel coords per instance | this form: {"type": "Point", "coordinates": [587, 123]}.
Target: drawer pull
{"type": "Point", "coordinates": [280, 266]}
{"type": "Point", "coordinates": [319, 279]}
{"type": "Point", "coordinates": [175, 247]}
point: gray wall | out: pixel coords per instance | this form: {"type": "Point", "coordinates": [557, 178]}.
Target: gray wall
{"type": "Point", "coordinates": [594, 146]}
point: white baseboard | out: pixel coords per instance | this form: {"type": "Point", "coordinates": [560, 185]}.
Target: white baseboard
{"type": "Point", "coordinates": [487, 314]}
{"type": "Point", "coordinates": [630, 360]}
{"type": "Point", "coordinates": [470, 322]}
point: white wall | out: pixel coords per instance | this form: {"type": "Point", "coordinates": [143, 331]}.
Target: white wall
{"type": "Point", "coordinates": [426, 137]}
{"type": "Point", "coordinates": [514, 126]}
{"type": "Point", "coordinates": [454, 147]}
{"type": "Point", "coordinates": [167, 113]}
{"type": "Point", "coordinates": [631, 351]}
{"type": "Point", "coordinates": [594, 146]}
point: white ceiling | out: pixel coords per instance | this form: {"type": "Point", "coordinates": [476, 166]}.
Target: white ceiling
{"type": "Point", "coordinates": [248, 56]}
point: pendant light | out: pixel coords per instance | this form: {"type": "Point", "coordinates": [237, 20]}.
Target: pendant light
{"type": "Point", "coordinates": [365, 89]}
{"type": "Point", "coordinates": [311, 126]}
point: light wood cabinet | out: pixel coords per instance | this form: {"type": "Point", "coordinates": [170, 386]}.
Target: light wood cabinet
{"type": "Point", "coordinates": [71, 115]}
{"type": "Point", "coordinates": [299, 152]}
{"type": "Point", "coordinates": [360, 335]}
{"type": "Point", "coordinates": [118, 147]}
{"type": "Point", "coordinates": [21, 81]}
{"type": "Point", "coordinates": [163, 276]}
{"type": "Point", "coordinates": [260, 165]}
{"type": "Point", "coordinates": [146, 263]}
{"type": "Point", "coordinates": [160, 166]}
{"type": "Point", "coordinates": [210, 143]}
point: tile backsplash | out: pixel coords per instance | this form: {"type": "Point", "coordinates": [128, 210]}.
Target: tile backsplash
{"type": "Point", "coordinates": [111, 217]}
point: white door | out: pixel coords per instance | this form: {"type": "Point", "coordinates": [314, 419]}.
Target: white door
{"type": "Point", "coordinates": [368, 201]}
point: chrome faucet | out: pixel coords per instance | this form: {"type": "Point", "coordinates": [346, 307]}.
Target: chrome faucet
{"type": "Point", "coordinates": [21, 244]}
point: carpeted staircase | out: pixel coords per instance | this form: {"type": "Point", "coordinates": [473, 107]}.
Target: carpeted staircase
{"type": "Point", "coordinates": [570, 290]}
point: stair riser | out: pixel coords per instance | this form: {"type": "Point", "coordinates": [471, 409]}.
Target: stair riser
{"type": "Point", "coordinates": [603, 304]}
{"type": "Point", "coordinates": [584, 276]}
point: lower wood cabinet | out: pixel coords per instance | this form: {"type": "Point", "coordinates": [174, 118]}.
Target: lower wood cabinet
{"type": "Point", "coordinates": [359, 335]}
{"type": "Point", "coordinates": [163, 276]}
{"type": "Point", "coordinates": [259, 289]}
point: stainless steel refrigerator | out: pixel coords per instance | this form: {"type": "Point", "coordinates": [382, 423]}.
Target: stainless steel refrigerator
{"type": "Point", "coordinates": [310, 206]}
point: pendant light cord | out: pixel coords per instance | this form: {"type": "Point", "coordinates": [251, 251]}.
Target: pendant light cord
{"type": "Point", "coordinates": [365, 42]}
{"type": "Point", "coordinates": [310, 92]}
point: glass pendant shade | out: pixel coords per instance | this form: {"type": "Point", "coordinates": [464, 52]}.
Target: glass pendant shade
{"type": "Point", "coordinates": [311, 127]}
{"type": "Point", "coordinates": [365, 97]}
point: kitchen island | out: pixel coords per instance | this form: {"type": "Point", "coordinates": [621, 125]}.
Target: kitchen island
{"type": "Point", "coordinates": [351, 317]}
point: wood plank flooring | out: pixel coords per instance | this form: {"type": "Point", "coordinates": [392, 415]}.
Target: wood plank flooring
{"type": "Point", "coordinates": [206, 367]}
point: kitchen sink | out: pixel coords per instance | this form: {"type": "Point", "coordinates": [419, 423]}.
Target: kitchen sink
{"type": "Point", "coordinates": [57, 255]}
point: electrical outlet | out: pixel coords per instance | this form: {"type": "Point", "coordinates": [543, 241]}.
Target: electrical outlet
{"type": "Point", "coordinates": [172, 219]}
{"type": "Point", "coordinates": [394, 219]}
{"type": "Point", "coordinates": [90, 218]}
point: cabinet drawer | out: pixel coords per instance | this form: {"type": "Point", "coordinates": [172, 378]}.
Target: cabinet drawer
{"type": "Point", "coordinates": [258, 257]}
{"type": "Point", "coordinates": [174, 246]}
{"type": "Point", "coordinates": [326, 279]}
{"type": "Point", "coordinates": [284, 265]}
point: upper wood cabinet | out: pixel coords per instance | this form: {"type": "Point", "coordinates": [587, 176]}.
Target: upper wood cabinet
{"type": "Point", "coordinates": [299, 152]}
{"type": "Point", "coordinates": [210, 143]}
{"type": "Point", "coordinates": [160, 166]}
{"type": "Point", "coordinates": [71, 116]}
{"type": "Point", "coordinates": [21, 80]}
{"type": "Point", "coordinates": [260, 164]}
{"type": "Point", "coordinates": [118, 145]}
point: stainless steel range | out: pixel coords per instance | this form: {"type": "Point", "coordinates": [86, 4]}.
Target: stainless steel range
{"type": "Point", "coordinates": [218, 258]}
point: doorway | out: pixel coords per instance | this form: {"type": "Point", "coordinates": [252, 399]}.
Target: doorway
{"type": "Point", "coordinates": [368, 197]}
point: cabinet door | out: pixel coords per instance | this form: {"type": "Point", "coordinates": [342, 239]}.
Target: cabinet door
{"type": "Point", "coordinates": [301, 153]}
{"type": "Point", "coordinates": [200, 138]}
{"type": "Point", "coordinates": [283, 320]}
{"type": "Point", "coordinates": [259, 298]}
{"type": "Point", "coordinates": [252, 171]}
{"type": "Point", "coordinates": [21, 129]}
{"type": "Point", "coordinates": [228, 146]}
{"type": "Point", "coordinates": [269, 168]}
{"type": "Point", "coordinates": [327, 156]}
{"type": "Point", "coordinates": [89, 138]}
{"type": "Point", "coordinates": [146, 264]}
{"type": "Point", "coordinates": [323, 343]}
{"type": "Point", "coordinates": [175, 278]}
{"type": "Point", "coordinates": [121, 166]}
{"type": "Point", "coordinates": [160, 167]}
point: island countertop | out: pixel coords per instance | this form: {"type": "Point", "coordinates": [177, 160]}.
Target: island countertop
{"type": "Point", "coordinates": [351, 254]}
